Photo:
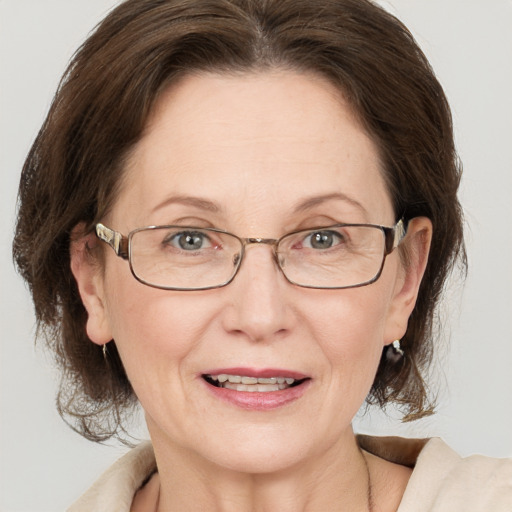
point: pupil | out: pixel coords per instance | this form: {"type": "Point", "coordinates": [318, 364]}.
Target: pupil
{"type": "Point", "coordinates": [321, 240]}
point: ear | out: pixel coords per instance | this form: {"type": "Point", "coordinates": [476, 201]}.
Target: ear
{"type": "Point", "coordinates": [417, 246]}
{"type": "Point", "coordinates": [88, 274]}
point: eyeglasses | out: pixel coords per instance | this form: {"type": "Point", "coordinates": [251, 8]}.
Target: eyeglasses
{"type": "Point", "coordinates": [192, 258]}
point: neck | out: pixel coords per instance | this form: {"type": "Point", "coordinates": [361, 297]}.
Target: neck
{"type": "Point", "coordinates": [336, 480]}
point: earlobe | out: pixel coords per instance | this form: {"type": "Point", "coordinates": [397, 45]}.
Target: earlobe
{"type": "Point", "coordinates": [87, 273]}
{"type": "Point", "coordinates": [414, 262]}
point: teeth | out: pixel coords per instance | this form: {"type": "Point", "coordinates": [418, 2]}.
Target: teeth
{"type": "Point", "coordinates": [252, 384]}
{"type": "Point", "coordinates": [272, 380]}
{"type": "Point", "coordinates": [262, 388]}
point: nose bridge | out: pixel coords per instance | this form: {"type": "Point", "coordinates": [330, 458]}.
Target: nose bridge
{"type": "Point", "coordinates": [259, 308]}
{"type": "Point", "coordinates": [272, 242]}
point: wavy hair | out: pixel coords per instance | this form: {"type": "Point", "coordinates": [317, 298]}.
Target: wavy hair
{"type": "Point", "coordinates": [73, 170]}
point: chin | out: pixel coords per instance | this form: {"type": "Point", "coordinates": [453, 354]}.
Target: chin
{"type": "Point", "coordinates": [259, 461]}
{"type": "Point", "coordinates": [258, 450]}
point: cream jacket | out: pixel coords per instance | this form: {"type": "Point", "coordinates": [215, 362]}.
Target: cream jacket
{"type": "Point", "coordinates": [441, 481]}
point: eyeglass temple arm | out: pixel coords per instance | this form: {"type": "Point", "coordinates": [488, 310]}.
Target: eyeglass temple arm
{"type": "Point", "coordinates": [113, 238]}
{"type": "Point", "coordinates": [395, 235]}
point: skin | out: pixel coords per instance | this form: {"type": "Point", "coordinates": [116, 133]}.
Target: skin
{"type": "Point", "coordinates": [256, 146]}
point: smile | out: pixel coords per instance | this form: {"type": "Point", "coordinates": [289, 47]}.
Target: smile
{"type": "Point", "coordinates": [252, 384]}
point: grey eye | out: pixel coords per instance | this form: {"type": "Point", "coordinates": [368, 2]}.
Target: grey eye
{"type": "Point", "coordinates": [190, 240]}
{"type": "Point", "coordinates": [322, 239]}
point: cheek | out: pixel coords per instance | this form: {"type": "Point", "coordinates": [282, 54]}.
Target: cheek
{"type": "Point", "coordinates": [154, 329]}
{"type": "Point", "coordinates": [350, 333]}
{"type": "Point", "coordinates": [353, 322]}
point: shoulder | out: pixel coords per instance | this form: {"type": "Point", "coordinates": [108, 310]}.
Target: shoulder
{"type": "Point", "coordinates": [116, 487]}
{"type": "Point", "coordinates": [443, 481]}
{"type": "Point", "coordinates": [452, 483]}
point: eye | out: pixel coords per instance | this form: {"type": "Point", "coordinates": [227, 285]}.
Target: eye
{"type": "Point", "coordinates": [189, 240]}
{"type": "Point", "coordinates": [322, 239]}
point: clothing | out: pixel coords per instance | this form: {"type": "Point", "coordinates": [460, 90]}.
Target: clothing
{"type": "Point", "coordinates": [441, 480]}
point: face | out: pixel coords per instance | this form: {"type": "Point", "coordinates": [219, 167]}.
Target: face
{"type": "Point", "coordinates": [258, 155]}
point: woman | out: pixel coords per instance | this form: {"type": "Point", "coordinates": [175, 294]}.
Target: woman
{"type": "Point", "coordinates": [298, 161]}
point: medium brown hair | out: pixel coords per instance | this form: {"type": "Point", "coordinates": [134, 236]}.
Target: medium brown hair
{"type": "Point", "coordinates": [75, 165]}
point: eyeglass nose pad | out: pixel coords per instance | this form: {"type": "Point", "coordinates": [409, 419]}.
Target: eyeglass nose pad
{"type": "Point", "coordinates": [236, 259]}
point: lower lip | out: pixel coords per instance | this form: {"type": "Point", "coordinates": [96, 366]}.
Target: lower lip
{"type": "Point", "coordinates": [259, 401]}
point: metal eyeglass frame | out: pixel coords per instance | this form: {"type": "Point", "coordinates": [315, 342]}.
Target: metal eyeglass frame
{"type": "Point", "coordinates": [121, 245]}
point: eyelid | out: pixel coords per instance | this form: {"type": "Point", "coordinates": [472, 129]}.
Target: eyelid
{"type": "Point", "coordinates": [318, 222]}
{"type": "Point", "coordinates": [336, 228]}
{"type": "Point", "coordinates": [194, 222]}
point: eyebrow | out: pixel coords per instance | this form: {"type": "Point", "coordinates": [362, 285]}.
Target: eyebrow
{"type": "Point", "coordinates": [197, 202]}
{"type": "Point", "coordinates": [311, 202]}
{"type": "Point", "coordinates": [307, 204]}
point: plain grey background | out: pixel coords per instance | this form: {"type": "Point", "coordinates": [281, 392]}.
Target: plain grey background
{"type": "Point", "coordinates": [44, 465]}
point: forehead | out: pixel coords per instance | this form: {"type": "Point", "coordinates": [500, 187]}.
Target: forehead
{"type": "Point", "coordinates": [260, 143]}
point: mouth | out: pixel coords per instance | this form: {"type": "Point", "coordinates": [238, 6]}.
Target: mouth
{"type": "Point", "coordinates": [251, 383]}
{"type": "Point", "coordinates": [256, 389]}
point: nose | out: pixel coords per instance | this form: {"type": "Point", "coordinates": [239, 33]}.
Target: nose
{"type": "Point", "coordinates": [259, 308]}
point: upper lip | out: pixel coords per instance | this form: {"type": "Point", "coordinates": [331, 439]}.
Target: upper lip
{"type": "Point", "coordinates": [257, 372]}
